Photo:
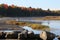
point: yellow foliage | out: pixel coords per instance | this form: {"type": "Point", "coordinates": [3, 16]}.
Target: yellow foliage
{"type": "Point", "coordinates": [32, 25]}
{"type": "Point", "coordinates": [38, 26]}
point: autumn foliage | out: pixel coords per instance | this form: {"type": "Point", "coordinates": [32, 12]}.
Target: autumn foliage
{"type": "Point", "coordinates": [16, 11]}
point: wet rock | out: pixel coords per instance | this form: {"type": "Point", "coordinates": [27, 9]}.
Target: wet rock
{"type": "Point", "coordinates": [11, 35]}
{"type": "Point", "coordinates": [2, 35]}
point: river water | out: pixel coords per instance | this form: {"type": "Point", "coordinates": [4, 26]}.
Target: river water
{"type": "Point", "coordinates": [53, 24]}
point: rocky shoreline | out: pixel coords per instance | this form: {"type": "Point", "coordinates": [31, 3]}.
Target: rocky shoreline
{"type": "Point", "coordinates": [28, 35]}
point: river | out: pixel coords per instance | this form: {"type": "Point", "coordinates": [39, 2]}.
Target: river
{"type": "Point", "coordinates": [53, 24]}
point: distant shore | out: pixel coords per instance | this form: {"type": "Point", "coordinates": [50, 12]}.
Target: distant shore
{"type": "Point", "coordinates": [48, 18]}
{"type": "Point", "coordinates": [36, 18]}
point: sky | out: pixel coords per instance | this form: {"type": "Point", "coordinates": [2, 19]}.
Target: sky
{"type": "Point", "coordinates": [44, 4]}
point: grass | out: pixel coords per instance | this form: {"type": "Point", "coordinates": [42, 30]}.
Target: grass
{"type": "Point", "coordinates": [38, 26]}
{"type": "Point", "coordinates": [32, 25]}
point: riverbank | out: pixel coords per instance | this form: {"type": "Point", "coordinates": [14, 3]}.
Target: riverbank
{"type": "Point", "coordinates": [48, 18]}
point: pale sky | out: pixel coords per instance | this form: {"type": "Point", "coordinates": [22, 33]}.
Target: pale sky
{"type": "Point", "coordinates": [44, 4]}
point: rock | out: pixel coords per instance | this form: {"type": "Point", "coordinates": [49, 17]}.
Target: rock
{"type": "Point", "coordinates": [2, 35]}
{"type": "Point", "coordinates": [11, 35]}
{"type": "Point", "coordinates": [47, 35]}
{"type": "Point", "coordinates": [58, 37]}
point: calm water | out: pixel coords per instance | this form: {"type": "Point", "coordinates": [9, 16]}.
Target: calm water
{"type": "Point", "coordinates": [53, 24]}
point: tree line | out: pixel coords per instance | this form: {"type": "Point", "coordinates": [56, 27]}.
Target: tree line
{"type": "Point", "coordinates": [16, 11]}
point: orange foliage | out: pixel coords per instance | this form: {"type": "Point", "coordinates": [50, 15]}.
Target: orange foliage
{"type": "Point", "coordinates": [5, 6]}
{"type": "Point", "coordinates": [12, 6]}
{"type": "Point", "coordinates": [23, 8]}
{"type": "Point", "coordinates": [30, 9]}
